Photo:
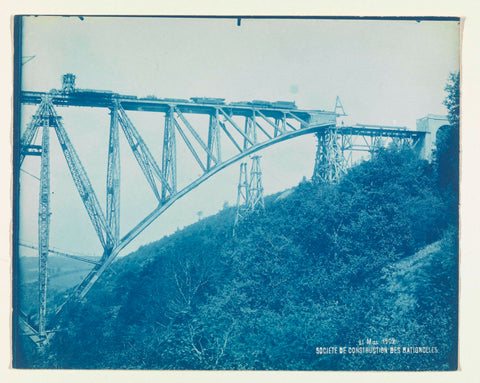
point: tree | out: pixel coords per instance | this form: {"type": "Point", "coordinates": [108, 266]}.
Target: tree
{"type": "Point", "coordinates": [447, 153]}
{"type": "Point", "coordinates": [452, 100]}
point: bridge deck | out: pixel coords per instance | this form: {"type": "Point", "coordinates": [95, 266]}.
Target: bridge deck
{"type": "Point", "coordinates": [379, 131]}
{"type": "Point", "coordinates": [104, 99]}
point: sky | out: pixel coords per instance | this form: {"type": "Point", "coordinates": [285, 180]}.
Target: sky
{"type": "Point", "coordinates": [385, 72]}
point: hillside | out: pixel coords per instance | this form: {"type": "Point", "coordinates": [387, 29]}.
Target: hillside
{"type": "Point", "coordinates": [63, 274]}
{"type": "Point", "coordinates": [371, 259]}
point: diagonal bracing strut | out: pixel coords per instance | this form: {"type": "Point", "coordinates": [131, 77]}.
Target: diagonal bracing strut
{"type": "Point", "coordinates": [32, 129]}
{"type": "Point", "coordinates": [143, 155]}
{"type": "Point", "coordinates": [82, 182]}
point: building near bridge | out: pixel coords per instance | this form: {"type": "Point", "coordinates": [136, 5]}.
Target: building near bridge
{"type": "Point", "coordinates": [431, 123]}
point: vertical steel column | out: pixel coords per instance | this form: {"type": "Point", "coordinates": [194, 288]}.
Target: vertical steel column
{"type": "Point", "coordinates": [113, 179]}
{"type": "Point", "coordinates": [32, 129]}
{"type": "Point", "coordinates": [280, 126]}
{"type": "Point", "coordinates": [243, 193]}
{"type": "Point", "coordinates": [250, 131]}
{"type": "Point", "coordinates": [213, 139]}
{"type": "Point", "coordinates": [169, 155]}
{"type": "Point", "coordinates": [253, 132]}
{"type": "Point", "coordinates": [284, 123]}
{"type": "Point", "coordinates": [44, 226]}
{"type": "Point", "coordinates": [321, 171]}
{"type": "Point", "coordinates": [255, 189]}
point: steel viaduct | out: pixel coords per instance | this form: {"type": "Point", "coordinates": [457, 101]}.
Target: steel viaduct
{"type": "Point", "coordinates": [247, 126]}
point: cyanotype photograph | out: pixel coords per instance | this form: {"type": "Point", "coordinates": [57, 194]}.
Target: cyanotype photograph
{"type": "Point", "coordinates": [236, 193]}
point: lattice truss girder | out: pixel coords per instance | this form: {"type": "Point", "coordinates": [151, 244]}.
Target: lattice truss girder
{"type": "Point", "coordinates": [336, 146]}
{"type": "Point", "coordinates": [259, 131]}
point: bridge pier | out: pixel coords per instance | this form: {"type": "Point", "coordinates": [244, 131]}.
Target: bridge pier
{"type": "Point", "coordinates": [44, 227]}
{"type": "Point", "coordinates": [330, 162]}
{"type": "Point", "coordinates": [113, 178]}
{"type": "Point", "coordinates": [255, 188]}
{"type": "Point", "coordinates": [429, 124]}
{"type": "Point", "coordinates": [250, 189]}
{"type": "Point", "coordinates": [169, 154]}
{"type": "Point", "coordinates": [242, 194]}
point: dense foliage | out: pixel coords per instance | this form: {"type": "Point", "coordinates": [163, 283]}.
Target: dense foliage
{"type": "Point", "coordinates": [325, 265]}
{"type": "Point", "coordinates": [448, 138]}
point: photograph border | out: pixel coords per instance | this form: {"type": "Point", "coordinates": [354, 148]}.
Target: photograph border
{"type": "Point", "coordinates": [464, 255]}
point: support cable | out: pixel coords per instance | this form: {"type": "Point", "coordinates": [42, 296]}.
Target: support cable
{"type": "Point", "coordinates": [63, 253]}
{"type": "Point", "coordinates": [30, 174]}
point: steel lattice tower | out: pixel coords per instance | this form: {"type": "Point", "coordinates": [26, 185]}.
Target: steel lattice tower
{"type": "Point", "coordinates": [250, 190]}
{"type": "Point", "coordinates": [255, 189]}
{"type": "Point", "coordinates": [330, 162]}
{"type": "Point", "coordinates": [169, 154]}
{"type": "Point", "coordinates": [113, 178]}
{"type": "Point", "coordinates": [44, 225]}
{"type": "Point", "coordinates": [243, 193]}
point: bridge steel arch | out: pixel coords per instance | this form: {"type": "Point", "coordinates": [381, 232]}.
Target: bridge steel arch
{"type": "Point", "coordinates": [266, 124]}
